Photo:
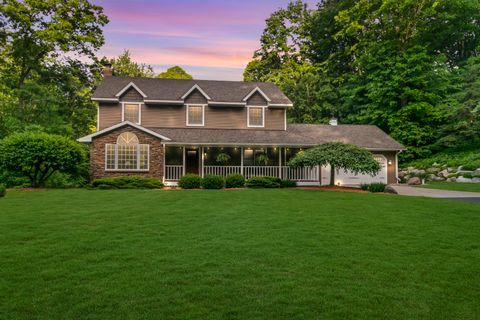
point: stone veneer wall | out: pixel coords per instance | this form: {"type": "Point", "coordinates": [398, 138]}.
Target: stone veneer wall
{"type": "Point", "coordinates": [97, 155]}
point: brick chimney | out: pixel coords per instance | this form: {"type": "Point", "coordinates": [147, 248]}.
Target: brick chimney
{"type": "Point", "coordinates": [107, 70]}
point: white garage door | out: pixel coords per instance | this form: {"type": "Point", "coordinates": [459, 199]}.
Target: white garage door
{"type": "Point", "coordinates": [349, 178]}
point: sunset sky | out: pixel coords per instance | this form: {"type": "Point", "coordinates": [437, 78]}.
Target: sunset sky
{"type": "Point", "coordinates": [210, 39]}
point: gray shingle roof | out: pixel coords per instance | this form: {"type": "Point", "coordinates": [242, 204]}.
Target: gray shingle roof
{"type": "Point", "coordinates": [172, 89]}
{"type": "Point", "coordinates": [366, 136]}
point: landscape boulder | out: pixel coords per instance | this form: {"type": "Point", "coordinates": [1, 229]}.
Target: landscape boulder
{"type": "Point", "coordinates": [444, 173]}
{"type": "Point", "coordinates": [452, 179]}
{"type": "Point", "coordinates": [390, 189]}
{"type": "Point", "coordinates": [415, 181]}
{"type": "Point", "coordinates": [463, 179]}
{"type": "Point", "coordinates": [476, 180]}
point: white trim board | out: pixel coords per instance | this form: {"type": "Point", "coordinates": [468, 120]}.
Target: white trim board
{"type": "Point", "coordinates": [197, 87]}
{"type": "Point", "coordinates": [257, 89]}
{"type": "Point", "coordinates": [128, 86]}
{"type": "Point", "coordinates": [139, 111]}
{"type": "Point", "coordinates": [87, 139]}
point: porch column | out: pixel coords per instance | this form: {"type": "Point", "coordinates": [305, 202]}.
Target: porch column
{"type": "Point", "coordinates": [280, 174]}
{"type": "Point", "coordinates": [202, 157]}
{"type": "Point", "coordinates": [184, 168]}
{"type": "Point", "coordinates": [241, 161]}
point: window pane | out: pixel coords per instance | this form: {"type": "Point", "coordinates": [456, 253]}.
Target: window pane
{"type": "Point", "coordinates": [173, 156]}
{"type": "Point", "coordinates": [256, 116]}
{"type": "Point", "coordinates": [195, 115]}
{"type": "Point", "coordinates": [143, 156]}
{"type": "Point", "coordinates": [127, 156]}
{"type": "Point", "coordinates": [110, 156]}
{"type": "Point", "coordinates": [131, 113]}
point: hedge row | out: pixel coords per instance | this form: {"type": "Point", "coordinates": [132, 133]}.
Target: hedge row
{"type": "Point", "coordinates": [193, 181]}
{"type": "Point", "coordinates": [3, 190]}
{"type": "Point", "coordinates": [127, 182]}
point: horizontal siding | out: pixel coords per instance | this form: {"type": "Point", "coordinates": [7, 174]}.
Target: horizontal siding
{"type": "Point", "coordinates": [163, 116]}
{"type": "Point", "coordinates": [109, 115]}
{"type": "Point", "coordinates": [131, 95]}
{"type": "Point", "coordinates": [225, 118]}
{"type": "Point", "coordinates": [274, 119]}
{"type": "Point", "coordinates": [196, 97]}
{"type": "Point", "coordinates": [257, 100]}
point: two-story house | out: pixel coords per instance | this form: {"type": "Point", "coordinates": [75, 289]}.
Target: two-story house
{"type": "Point", "coordinates": [166, 128]}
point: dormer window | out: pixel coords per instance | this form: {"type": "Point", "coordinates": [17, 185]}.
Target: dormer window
{"type": "Point", "coordinates": [195, 115]}
{"type": "Point", "coordinates": [256, 117]}
{"type": "Point", "coordinates": [131, 112]}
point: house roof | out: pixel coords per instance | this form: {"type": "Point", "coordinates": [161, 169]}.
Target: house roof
{"type": "Point", "coordinates": [366, 136]}
{"type": "Point", "coordinates": [89, 138]}
{"type": "Point", "coordinates": [175, 90]}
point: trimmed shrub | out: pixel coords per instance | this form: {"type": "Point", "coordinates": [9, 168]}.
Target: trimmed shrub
{"type": "Point", "coordinates": [365, 186]}
{"type": "Point", "coordinates": [264, 182]}
{"type": "Point", "coordinates": [3, 190]}
{"type": "Point", "coordinates": [377, 187]}
{"type": "Point", "coordinates": [190, 181]}
{"type": "Point", "coordinates": [235, 181]}
{"type": "Point", "coordinates": [213, 182]}
{"type": "Point", "coordinates": [287, 183]}
{"type": "Point", "coordinates": [127, 182]}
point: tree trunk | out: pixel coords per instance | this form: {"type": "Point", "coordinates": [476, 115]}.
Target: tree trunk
{"type": "Point", "coordinates": [332, 175]}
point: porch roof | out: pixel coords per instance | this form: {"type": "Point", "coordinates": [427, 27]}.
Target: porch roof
{"type": "Point", "coordinates": [301, 135]}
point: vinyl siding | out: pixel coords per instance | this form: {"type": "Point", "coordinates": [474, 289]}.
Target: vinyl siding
{"type": "Point", "coordinates": [257, 100]}
{"type": "Point", "coordinates": [109, 115]}
{"type": "Point", "coordinates": [274, 119]}
{"type": "Point", "coordinates": [163, 116]}
{"type": "Point", "coordinates": [196, 97]}
{"type": "Point", "coordinates": [226, 117]}
{"type": "Point", "coordinates": [131, 95]}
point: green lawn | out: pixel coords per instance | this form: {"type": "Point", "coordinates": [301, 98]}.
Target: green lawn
{"type": "Point", "coordinates": [457, 186]}
{"type": "Point", "coordinates": [244, 254]}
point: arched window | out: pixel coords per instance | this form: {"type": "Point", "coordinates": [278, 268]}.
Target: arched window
{"type": "Point", "coordinates": [127, 154]}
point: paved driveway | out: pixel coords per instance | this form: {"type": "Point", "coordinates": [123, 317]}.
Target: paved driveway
{"type": "Point", "coordinates": [405, 190]}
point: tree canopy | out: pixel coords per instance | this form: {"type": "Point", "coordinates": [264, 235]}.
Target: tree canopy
{"type": "Point", "coordinates": [340, 156]}
{"type": "Point", "coordinates": [397, 64]}
{"type": "Point", "coordinates": [39, 155]}
{"type": "Point", "coordinates": [175, 73]}
{"type": "Point", "coordinates": [123, 66]}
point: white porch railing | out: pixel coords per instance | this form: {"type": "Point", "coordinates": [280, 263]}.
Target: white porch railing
{"type": "Point", "coordinates": [173, 172]}
{"type": "Point", "coordinates": [301, 174]}
{"type": "Point", "coordinates": [222, 170]}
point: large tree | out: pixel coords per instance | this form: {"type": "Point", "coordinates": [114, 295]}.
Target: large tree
{"type": "Point", "coordinates": [340, 156]}
{"type": "Point", "coordinates": [123, 66]}
{"type": "Point", "coordinates": [175, 72]}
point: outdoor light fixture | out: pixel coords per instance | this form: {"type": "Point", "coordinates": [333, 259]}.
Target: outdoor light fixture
{"type": "Point", "coordinates": [389, 162]}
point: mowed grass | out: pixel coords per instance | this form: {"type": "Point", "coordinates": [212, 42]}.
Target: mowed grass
{"type": "Point", "coordinates": [456, 186]}
{"type": "Point", "coordinates": [243, 254]}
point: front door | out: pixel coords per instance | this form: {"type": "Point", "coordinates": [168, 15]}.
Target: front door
{"type": "Point", "coordinates": [192, 160]}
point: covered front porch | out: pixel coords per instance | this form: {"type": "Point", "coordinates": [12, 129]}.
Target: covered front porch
{"type": "Point", "coordinates": [247, 161]}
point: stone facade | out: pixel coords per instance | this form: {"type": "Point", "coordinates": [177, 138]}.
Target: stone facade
{"type": "Point", "coordinates": [97, 154]}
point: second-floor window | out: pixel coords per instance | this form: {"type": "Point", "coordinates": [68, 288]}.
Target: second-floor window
{"type": "Point", "coordinates": [195, 115]}
{"type": "Point", "coordinates": [256, 117]}
{"type": "Point", "coordinates": [131, 112]}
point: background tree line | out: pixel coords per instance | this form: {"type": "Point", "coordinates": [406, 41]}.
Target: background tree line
{"type": "Point", "coordinates": [410, 67]}
{"type": "Point", "coordinates": [49, 66]}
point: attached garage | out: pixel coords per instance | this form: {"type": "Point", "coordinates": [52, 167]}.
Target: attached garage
{"type": "Point", "coordinates": [349, 178]}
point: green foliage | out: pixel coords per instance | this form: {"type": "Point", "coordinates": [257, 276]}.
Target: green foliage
{"type": "Point", "coordinates": [364, 186]}
{"type": "Point", "coordinates": [235, 181]}
{"type": "Point", "coordinates": [43, 79]}
{"type": "Point", "coordinates": [468, 175]}
{"type": "Point", "coordinates": [450, 158]}
{"type": "Point", "coordinates": [409, 67]}
{"type": "Point", "coordinates": [286, 183]}
{"type": "Point", "coordinates": [213, 182]}
{"type": "Point", "coordinates": [190, 181]}
{"type": "Point", "coordinates": [222, 158]}
{"type": "Point", "coordinates": [12, 179]}
{"type": "Point", "coordinates": [3, 190]}
{"type": "Point", "coordinates": [264, 182]}
{"type": "Point", "coordinates": [376, 187]}
{"type": "Point", "coordinates": [339, 156]}
{"type": "Point", "coordinates": [124, 66]}
{"type": "Point", "coordinates": [262, 159]}
{"type": "Point", "coordinates": [127, 182]}
{"type": "Point", "coordinates": [38, 156]}
{"type": "Point", "coordinates": [175, 72]}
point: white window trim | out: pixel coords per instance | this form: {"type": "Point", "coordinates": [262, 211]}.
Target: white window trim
{"type": "Point", "coordinates": [138, 159]}
{"type": "Point", "coordinates": [139, 111]}
{"type": "Point", "coordinates": [263, 117]}
{"type": "Point", "coordinates": [257, 89]}
{"type": "Point", "coordinates": [187, 106]}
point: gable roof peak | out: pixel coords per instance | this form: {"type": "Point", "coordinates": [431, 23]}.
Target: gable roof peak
{"type": "Point", "coordinates": [257, 89]}
{"type": "Point", "coordinates": [128, 86]}
{"type": "Point", "coordinates": [195, 87]}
